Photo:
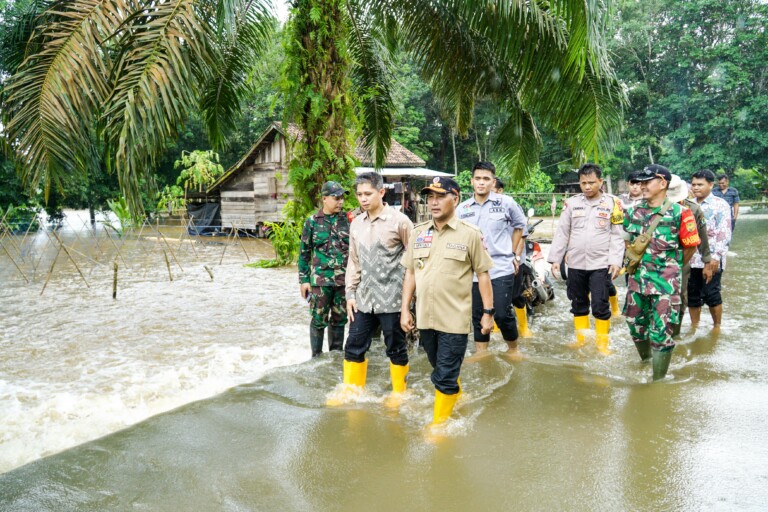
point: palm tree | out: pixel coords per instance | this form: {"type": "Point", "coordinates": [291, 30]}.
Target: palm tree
{"type": "Point", "coordinates": [130, 71]}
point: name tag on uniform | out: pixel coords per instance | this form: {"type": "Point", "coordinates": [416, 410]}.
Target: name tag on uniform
{"type": "Point", "coordinates": [496, 209]}
{"type": "Point", "coordinates": [460, 247]}
{"type": "Point", "coordinates": [422, 245]}
{"type": "Point", "coordinates": [466, 215]}
{"type": "Point", "coordinates": [578, 211]}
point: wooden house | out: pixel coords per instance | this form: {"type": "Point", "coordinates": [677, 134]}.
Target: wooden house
{"type": "Point", "coordinates": [256, 189]}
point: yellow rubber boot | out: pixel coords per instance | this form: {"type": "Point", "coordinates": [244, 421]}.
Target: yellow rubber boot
{"type": "Point", "coordinates": [615, 311]}
{"type": "Point", "coordinates": [443, 407]}
{"type": "Point", "coordinates": [522, 323]}
{"type": "Point", "coordinates": [580, 324]}
{"type": "Point", "coordinates": [354, 383]}
{"type": "Point", "coordinates": [602, 327]}
{"type": "Point", "coordinates": [397, 374]}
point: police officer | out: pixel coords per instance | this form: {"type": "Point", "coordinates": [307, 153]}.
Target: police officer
{"type": "Point", "coordinates": [653, 293]}
{"type": "Point", "coordinates": [589, 233]}
{"type": "Point", "coordinates": [441, 258]}
{"type": "Point", "coordinates": [521, 311]}
{"type": "Point", "coordinates": [322, 262]}
{"type": "Point", "coordinates": [501, 221]}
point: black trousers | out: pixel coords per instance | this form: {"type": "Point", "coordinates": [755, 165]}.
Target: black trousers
{"type": "Point", "coordinates": [361, 332]}
{"type": "Point", "coordinates": [700, 293]}
{"type": "Point", "coordinates": [445, 352]}
{"type": "Point", "coordinates": [503, 292]}
{"type": "Point", "coordinates": [583, 284]}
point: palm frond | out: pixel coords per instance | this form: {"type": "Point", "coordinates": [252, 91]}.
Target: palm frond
{"type": "Point", "coordinates": [518, 144]}
{"type": "Point", "coordinates": [51, 102]}
{"type": "Point", "coordinates": [156, 83]}
{"type": "Point", "coordinates": [371, 83]}
{"type": "Point", "coordinates": [546, 56]}
{"type": "Point", "coordinates": [237, 52]}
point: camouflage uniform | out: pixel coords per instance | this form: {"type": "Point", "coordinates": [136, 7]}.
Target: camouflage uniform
{"type": "Point", "coordinates": [653, 293]}
{"type": "Point", "coordinates": [322, 263]}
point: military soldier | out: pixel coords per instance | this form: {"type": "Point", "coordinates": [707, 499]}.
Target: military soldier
{"type": "Point", "coordinates": [653, 294]}
{"type": "Point", "coordinates": [322, 263]}
{"type": "Point", "coordinates": [501, 221]}
{"type": "Point", "coordinates": [441, 258]}
{"type": "Point", "coordinates": [589, 233]}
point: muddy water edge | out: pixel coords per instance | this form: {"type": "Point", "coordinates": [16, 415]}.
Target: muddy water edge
{"type": "Point", "coordinates": [562, 430]}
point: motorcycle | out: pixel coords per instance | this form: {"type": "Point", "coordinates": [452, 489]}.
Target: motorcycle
{"type": "Point", "coordinates": [537, 285]}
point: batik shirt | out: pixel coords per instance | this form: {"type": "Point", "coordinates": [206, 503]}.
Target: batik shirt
{"type": "Point", "coordinates": [374, 274]}
{"type": "Point", "coordinates": [717, 213]}
{"type": "Point", "coordinates": [324, 249]}
{"type": "Point", "coordinates": [659, 272]}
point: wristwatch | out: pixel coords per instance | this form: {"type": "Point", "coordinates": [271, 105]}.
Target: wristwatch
{"type": "Point", "coordinates": [517, 257]}
{"type": "Point", "coordinates": [489, 311]}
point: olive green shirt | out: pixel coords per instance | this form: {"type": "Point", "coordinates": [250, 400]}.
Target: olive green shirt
{"type": "Point", "coordinates": [444, 263]}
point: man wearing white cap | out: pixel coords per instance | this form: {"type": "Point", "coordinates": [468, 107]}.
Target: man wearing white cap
{"type": "Point", "coordinates": [678, 193]}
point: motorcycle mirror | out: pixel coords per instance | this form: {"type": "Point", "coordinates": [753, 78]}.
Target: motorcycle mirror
{"type": "Point", "coordinates": [531, 211]}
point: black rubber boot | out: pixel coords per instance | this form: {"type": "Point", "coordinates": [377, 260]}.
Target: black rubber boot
{"type": "Point", "coordinates": [661, 359]}
{"type": "Point", "coordinates": [644, 349]}
{"type": "Point", "coordinates": [336, 337]}
{"type": "Point", "coordinates": [676, 328]}
{"type": "Point", "coordinates": [316, 340]}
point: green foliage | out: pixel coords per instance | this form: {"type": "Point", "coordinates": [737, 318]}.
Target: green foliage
{"type": "Point", "coordinates": [316, 91]}
{"type": "Point", "coordinates": [695, 75]}
{"type": "Point", "coordinates": [19, 219]}
{"type": "Point", "coordinates": [286, 238]}
{"type": "Point", "coordinates": [199, 169]}
{"type": "Point", "coordinates": [171, 198]}
{"type": "Point", "coordinates": [126, 220]}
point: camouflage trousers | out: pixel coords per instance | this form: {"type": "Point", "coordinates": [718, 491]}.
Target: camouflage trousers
{"type": "Point", "coordinates": [652, 317]}
{"type": "Point", "coordinates": [328, 306]}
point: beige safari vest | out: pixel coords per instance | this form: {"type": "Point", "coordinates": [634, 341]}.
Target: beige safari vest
{"type": "Point", "coordinates": [590, 233]}
{"type": "Point", "coordinates": [444, 263]}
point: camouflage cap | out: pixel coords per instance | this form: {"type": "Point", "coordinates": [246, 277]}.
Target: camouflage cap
{"type": "Point", "coordinates": [332, 188]}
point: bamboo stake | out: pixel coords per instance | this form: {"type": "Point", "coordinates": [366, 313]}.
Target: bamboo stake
{"type": "Point", "coordinates": [50, 271]}
{"type": "Point", "coordinates": [14, 263]}
{"type": "Point", "coordinates": [71, 258]}
{"type": "Point", "coordinates": [169, 248]}
{"type": "Point", "coordinates": [114, 280]}
{"type": "Point", "coordinates": [248, 258]}
{"type": "Point", "coordinates": [106, 230]}
{"type": "Point", "coordinates": [168, 265]}
{"type": "Point", "coordinates": [208, 269]}
{"type": "Point", "coordinates": [24, 238]}
{"type": "Point", "coordinates": [226, 244]}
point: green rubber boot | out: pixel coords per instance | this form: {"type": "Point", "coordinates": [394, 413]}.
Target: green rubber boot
{"type": "Point", "coordinates": [316, 340]}
{"type": "Point", "coordinates": [661, 359]}
{"type": "Point", "coordinates": [644, 349]}
{"type": "Point", "coordinates": [336, 337]}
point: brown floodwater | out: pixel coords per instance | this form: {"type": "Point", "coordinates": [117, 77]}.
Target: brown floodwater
{"type": "Point", "coordinates": [561, 430]}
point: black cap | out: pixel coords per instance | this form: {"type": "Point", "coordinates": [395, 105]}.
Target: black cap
{"type": "Point", "coordinates": [653, 171]}
{"type": "Point", "coordinates": [442, 185]}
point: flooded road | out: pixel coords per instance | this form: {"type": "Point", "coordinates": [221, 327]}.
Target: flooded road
{"type": "Point", "coordinates": [562, 430]}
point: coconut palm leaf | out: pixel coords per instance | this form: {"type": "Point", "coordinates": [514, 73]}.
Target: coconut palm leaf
{"type": "Point", "coordinates": [518, 143]}
{"type": "Point", "coordinates": [156, 83]}
{"type": "Point", "coordinates": [470, 49]}
{"type": "Point", "coordinates": [49, 104]}
{"type": "Point", "coordinates": [240, 46]}
{"type": "Point", "coordinates": [371, 82]}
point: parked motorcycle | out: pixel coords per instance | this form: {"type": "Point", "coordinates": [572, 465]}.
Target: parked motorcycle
{"type": "Point", "coordinates": [537, 286]}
